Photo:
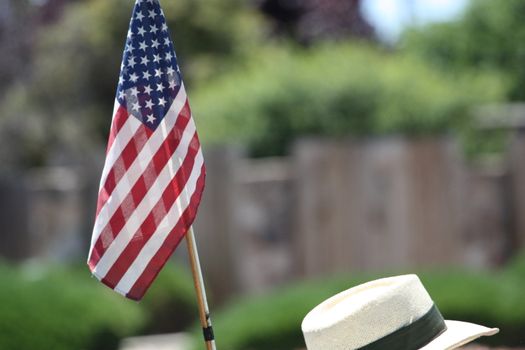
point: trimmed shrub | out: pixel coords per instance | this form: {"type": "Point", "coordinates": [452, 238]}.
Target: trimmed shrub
{"type": "Point", "coordinates": [55, 309]}
{"type": "Point", "coordinates": [170, 304]}
{"type": "Point", "coordinates": [62, 308]}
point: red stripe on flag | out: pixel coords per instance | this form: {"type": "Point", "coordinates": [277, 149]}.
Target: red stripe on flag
{"type": "Point", "coordinates": [122, 164]}
{"type": "Point", "coordinates": [172, 241]}
{"type": "Point", "coordinates": [105, 238]}
{"type": "Point", "coordinates": [150, 224]}
{"type": "Point", "coordinates": [140, 188]}
{"type": "Point", "coordinates": [120, 118]}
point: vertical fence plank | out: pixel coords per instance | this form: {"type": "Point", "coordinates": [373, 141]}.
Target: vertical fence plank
{"type": "Point", "coordinates": [215, 229]}
{"type": "Point", "coordinates": [377, 204]}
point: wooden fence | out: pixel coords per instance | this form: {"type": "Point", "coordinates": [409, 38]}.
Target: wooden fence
{"type": "Point", "coordinates": [358, 205]}
{"type": "Point", "coordinates": [330, 207]}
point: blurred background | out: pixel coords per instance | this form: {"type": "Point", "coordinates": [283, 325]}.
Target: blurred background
{"type": "Point", "coordinates": [345, 140]}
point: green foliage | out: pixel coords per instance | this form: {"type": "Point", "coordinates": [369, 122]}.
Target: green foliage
{"type": "Point", "coordinates": [273, 321]}
{"type": "Point", "coordinates": [54, 308]}
{"type": "Point", "coordinates": [490, 36]}
{"type": "Point", "coordinates": [335, 91]}
{"type": "Point", "coordinates": [492, 300]}
{"type": "Point", "coordinates": [170, 303]}
{"type": "Point", "coordinates": [68, 92]}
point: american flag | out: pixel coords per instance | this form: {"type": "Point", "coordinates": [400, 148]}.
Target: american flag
{"type": "Point", "coordinates": [154, 172]}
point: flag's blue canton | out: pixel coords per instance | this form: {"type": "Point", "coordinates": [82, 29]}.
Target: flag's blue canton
{"type": "Point", "coordinates": [150, 76]}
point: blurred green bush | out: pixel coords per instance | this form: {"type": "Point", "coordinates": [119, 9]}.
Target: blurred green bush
{"type": "Point", "coordinates": [170, 304]}
{"type": "Point", "coordinates": [57, 309]}
{"type": "Point", "coordinates": [336, 90]}
{"type": "Point", "coordinates": [489, 36]}
{"type": "Point", "coordinates": [273, 321]}
{"type": "Point", "coordinates": [76, 61]}
{"type": "Point", "coordinates": [62, 308]}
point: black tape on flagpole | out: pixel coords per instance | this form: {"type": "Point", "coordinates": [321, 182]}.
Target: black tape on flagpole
{"type": "Point", "coordinates": [208, 333]}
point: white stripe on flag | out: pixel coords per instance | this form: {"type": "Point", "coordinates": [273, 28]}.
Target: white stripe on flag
{"type": "Point", "coordinates": [124, 135]}
{"type": "Point", "coordinates": [162, 232]}
{"type": "Point", "coordinates": [153, 195]}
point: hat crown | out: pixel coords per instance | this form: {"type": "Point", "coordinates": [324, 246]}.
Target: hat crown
{"type": "Point", "coordinates": [363, 314]}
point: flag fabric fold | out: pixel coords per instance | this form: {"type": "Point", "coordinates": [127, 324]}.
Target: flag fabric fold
{"type": "Point", "coordinates": [153, 176]}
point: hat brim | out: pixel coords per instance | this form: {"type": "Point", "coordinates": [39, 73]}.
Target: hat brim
{"type": "Point", "coordinates": [457, 334]}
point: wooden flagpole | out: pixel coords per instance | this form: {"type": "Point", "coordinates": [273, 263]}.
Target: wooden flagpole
{"type": "Point", "coordinates": [204, 312]}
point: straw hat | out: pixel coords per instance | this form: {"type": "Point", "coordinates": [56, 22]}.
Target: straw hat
{"type": "Point", "coordinates": [393, 313]}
